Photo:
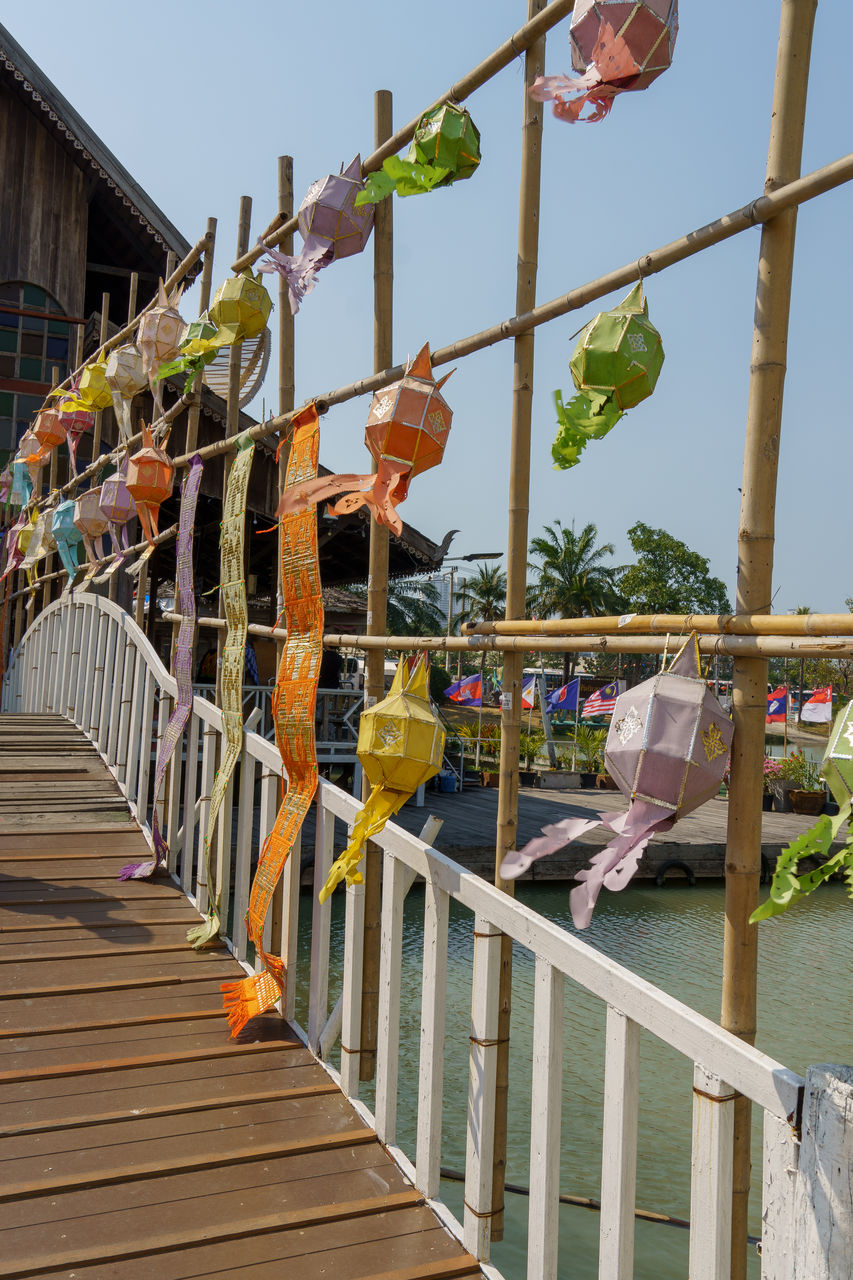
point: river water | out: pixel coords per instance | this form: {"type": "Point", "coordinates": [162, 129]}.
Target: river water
{"type": "Point", "coordinates": [673, 937]}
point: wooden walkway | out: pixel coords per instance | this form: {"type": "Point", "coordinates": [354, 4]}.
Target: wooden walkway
{"type": "Point", "coordinates": [139, 1140]}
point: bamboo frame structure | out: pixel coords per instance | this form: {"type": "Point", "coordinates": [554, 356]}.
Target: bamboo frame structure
{"type": "Point", "coordinates": [709, 624]}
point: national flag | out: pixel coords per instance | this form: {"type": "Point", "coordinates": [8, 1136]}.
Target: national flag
{"type": "Point", "coordinates": [468, 692]}
{"type": "Point", "coordinates": [818, 708]}
{"type": "Point", "coordinates": [528, 694]}
{"type": "Point", "coordinates": [566, 697]}
{"type": "Point", "coordinates": [602, 702]}
{"type": "Point", "coordinates": [777, 705]}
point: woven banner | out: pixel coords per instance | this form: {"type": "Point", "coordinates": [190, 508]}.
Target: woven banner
{"type": "Point", "coordinates": [183, 667]}
{"type": "Point", "coordinates": [293, 713]}
{"type": "Point", "coordinates": [232, 589]}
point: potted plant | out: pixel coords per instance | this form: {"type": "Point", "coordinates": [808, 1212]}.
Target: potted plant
{"type": "Point", "coordinates": [490, 738]}
{"type": "Point", "coordinates": [771, 777]}
{"type": "Point", "coordinates": [530, 740]}
{"type": "Point", "coordinates": [805, 793]}
{"type": "Point", "coordinates": [590, 750]}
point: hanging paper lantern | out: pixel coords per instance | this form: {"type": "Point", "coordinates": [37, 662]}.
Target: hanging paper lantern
{"type": "Point", "coordinates": [615, 365]}
{"type": "Point", "coordinates": [618, 46]}
{"type": "Point", "coordinates": [126, 377]}
{"type": "Point", "coordinates": [92, 523]}
{"type": "Point", "coordinates": [400, 746]}
{"type": "Point", "coordinates": [34, 542]}
{"type": "Point", "coordinates": [332, 227]}
{"type": "Point", "coordinates": [445, 149]}
{"type": "Point", "coordinates": [788, 887]}
{"type": "Point", "coordinates": [67, 535]}
{"type": "Point", "coordinates": [150, 476]}
{"type": "Point", "coordinates": [76, 422]}
{"type": "Point", "coordinates": [5, 484]}
{"type": "Point", "coordinates": [241, 308]}
{"type": "Point", "coordinates": [158, 338]}
{"type": "Point", "coordinates": [406, 432]}
{"type": "Point", "coordinates": [117, 507]}
{"type": "Point", "coordinates": [48, 432]}
{"type": "Point", "coordinates": [48, 540]}
{"type": "Point", "coordinates": [200, 346]}
{"type": "Point", "coordinates": [28, 452]}
{"type": "Point", "coordinates": [14, 552]}
{"type": "Point", "coordinates": [667, 749]}
{"type": "Point", "coordinates": [22, 485]}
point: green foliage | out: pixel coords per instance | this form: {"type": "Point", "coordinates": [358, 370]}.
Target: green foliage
{"type": "Point", "coordinates": [590, 748]}
{"type": "Point", "coordinates": [800, 772]}
{"type": "Point", "coordinates": [587, 416]}
{"type": "Point", "coordinates": [413, 607]}
{"type": "Point", "coordinates": [439, 680]}
{"type": "Point", "coordinates": [668, 577]}
{"type": "Point", "coordinates": [530, 742]}
{"type": "Point", "coordinates": [483, 597]}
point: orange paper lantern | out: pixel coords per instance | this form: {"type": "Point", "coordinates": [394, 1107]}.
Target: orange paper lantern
{"type": "Point", "coordinates": [48, 432]}
{"type": "Point", "coordinates": [150, 477]}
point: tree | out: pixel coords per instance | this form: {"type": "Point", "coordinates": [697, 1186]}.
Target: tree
{"type": "Point", "coordinates": [668, 577]}
{"type": "Point", "coordinates": [573, 581]}
{"type": "Point", "coordinates": [414, 607]}
{"type": "Point", "coordinates": [483, 597]}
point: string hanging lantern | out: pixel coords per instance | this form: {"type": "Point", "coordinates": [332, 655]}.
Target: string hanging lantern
{"type": "Point", "coordinates": [158, 338]}
{"type": "Point", "coordinates": [68, 537]}
{"type": "Point", "coordinates": [48, 432]}
{"type": "Point", "coordinates": [92, 523]}
{"type": "Point", "coordinates": [332, 226]}
{"type": "Point", "coordinates": [118, 508]}
{"type": "Point", "coordinates": [667, 749]}
{"type": "Point", "coordinates": [199, 347]}
{"type": "Point", "coordinates": [126, 377]}
{"type": "Point", "coordinates": [445, 149]}
{"type": "Point", "coordinates": [618, 46]}
{"type": "Point", "coordinates": [149, 481]}
{"type": "Point", "coordinates": [407, 429]}
{"type": "Point", "coordinates": [240, 309]}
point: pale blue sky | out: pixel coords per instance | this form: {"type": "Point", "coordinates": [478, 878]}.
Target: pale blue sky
{"type": "Point", "coordinates": [198, 100]}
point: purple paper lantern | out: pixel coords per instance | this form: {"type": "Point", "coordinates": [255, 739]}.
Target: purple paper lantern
{"type": "Point", "coordinates": [117, 507]}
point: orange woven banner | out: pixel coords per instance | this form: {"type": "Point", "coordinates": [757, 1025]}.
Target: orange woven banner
{"type": "Point", "coordinates": [293, 712]}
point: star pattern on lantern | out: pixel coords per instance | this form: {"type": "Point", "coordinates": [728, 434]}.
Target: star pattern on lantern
{"type": "Point", "coordinates": [389, 735]}
{"type": "Point", "coordinates": [712, 741]}
{"type": "Point", "coordinates": [629, 725]}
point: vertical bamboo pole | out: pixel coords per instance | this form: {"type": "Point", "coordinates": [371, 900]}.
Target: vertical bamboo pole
{"type": "Point", "coordinates": [232, 418]}
{"type": "Point", "coordinates": [132, 294]}
{"type": "Point", "coordinates": [53, 480]}
{"type": "Point", "coordinates": [203, 304]}
{"type": "Point", "coordinates": [755, 571]}
{"type": "Point", "coordinates": [377, 593]}
{"type": "Point", "coordinates": [516, 584]}
{"type": "Point", "coordinates": [102, 337]}
{"type": "Point", "coordinates": [286, 360]}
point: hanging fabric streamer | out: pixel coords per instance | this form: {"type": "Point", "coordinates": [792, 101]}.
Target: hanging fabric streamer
{"type": "Point", "coordinates": [182, 668]}
{"type": "Point", "coordinates": [400, 746]}
{"type": "Point", "coordinates": [293, 714]}
{"type": "Point", "coordinates": [233, 595]}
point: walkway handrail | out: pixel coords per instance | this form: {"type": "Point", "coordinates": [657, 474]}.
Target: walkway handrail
{"type": "Point", "coordinates": [86, 659]}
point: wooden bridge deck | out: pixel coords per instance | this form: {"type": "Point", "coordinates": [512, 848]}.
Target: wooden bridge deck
{"type": "Point", "coordinates": [139, 1140]}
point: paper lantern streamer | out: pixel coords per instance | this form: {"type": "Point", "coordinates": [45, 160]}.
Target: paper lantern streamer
{"type": "Point", "coordinates": [619, 46]}
{"type": "Point", "coordinates": [787, 886]}
{"type": "Point", "coordinates": [22, 484]}
{"type": "Point", "coordinates": [68, 537]}
{"type": "Point", "coordinates": [233, 595]}
{"type": "Point", "coordinates": [294, 703]}
{"type": "Point", "coordinates": [400, 746]}
{"type": "Point", "coordinates": [182, 667]}
{"type": "Point", "coordinates": [150, 477]}
{"type": "Point", "coordinates": [444, 149]}
{"type": "Point", "coordinates": [667, 749]}
{"type": "Point", "coordinates": [332, 227]}
{"type": "Point", "coordinates": [34, 543]}
{"type": "Point", "coordinates": [76, 423]}
{"type": "Point", "coordinates": [125, 376]}
{"type": "Point", "coordinates": [615, 365]}
{"type": "Point", "coordinates": [89, 392]}
{"type": "Point", "coordinates": [159, 337]}
{"type": "Point", "coordinates": [406, 432]}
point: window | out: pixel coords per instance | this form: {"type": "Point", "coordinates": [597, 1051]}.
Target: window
{"type": "Point", "coordinates": [33, 341]}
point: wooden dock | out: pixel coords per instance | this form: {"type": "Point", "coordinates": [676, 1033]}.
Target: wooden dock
{"type": "Point", "coordinates": [139, 1140]}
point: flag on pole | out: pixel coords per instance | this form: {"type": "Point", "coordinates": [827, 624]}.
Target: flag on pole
{"type": "Point", "coordinates": [602, 702]}
{"type": "Point", "coordinates": [566, 697]}
{"type": "Point", "coordinates": [818, 708]}
{"type": "Point", "coordinates": [528, 694]}
{"type": "Point", "coordinates": [468, 692]}
{"type": "Point", "coordinates": [777, 705]}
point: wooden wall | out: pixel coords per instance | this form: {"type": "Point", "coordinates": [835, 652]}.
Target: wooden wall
{"type": "Point", "coordinates": [43, 207]}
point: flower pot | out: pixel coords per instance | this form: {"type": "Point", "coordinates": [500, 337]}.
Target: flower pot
{"type": "Point", "coordinates": [781, 790]}
{"type": "Point", "coordinates": [556, 779]}
{"type": "Point", "coordinates": [767, 801]}
{"type": "Point", "coordinates": [807, 802]}
{"type": "Point", "coordinates": [587, 780]}
{"type": "Point", "coordinates": [527, 777]}
{"type": "Point", "coordinates": [604, 782]}
{"type": "Point", "coordinates": [490, 778]}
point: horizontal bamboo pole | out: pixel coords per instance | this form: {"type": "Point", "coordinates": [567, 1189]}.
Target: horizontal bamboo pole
{"type": "Point", "coordinates": [221, 624]}
{"type": "Point", "coordinates": [737, 646]}
{"type": "Point", "coordinates": [132, 551]}
{"type": "Point", "coordinates": [732, 624]}
{"type": "Point", "coordinates": [282, 226]}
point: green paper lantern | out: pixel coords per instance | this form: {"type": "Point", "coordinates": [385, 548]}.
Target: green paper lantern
{"type": "Point", "coordinates": [241, 308]}
{"type": "Point", "coordinates": [445, 148]}
{"type": "Point", "coordinates": [615, 365]}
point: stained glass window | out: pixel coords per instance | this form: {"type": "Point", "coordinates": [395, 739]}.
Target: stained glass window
{"type": "Point", "coordinates": [33, 341]}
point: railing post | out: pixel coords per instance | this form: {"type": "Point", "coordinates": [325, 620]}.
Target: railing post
{"type": "Point", "coordinates": [711, 1178]}
{"type": "Point", "coordinates": [823, 1206]}
{"type": "Point", "coordinates": [433, 1016]}
{"type": "Point", "coordinates": [481, 1088]}
{"type": "Point", "coordinates": [318, 996]}
{"type": "Point", "coordinates": [619, 1147]}
{"type": "Point", "coordinates": [388, 1027]}
{"type": "Point", "coordinates": [779, 1184]}
{"type": "Point", "coordinates": [545, 1115]}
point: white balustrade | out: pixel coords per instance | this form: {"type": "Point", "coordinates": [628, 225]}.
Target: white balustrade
{"type": "Point", "coordinates": [85, 658]}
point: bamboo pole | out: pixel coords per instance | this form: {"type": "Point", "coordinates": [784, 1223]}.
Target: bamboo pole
{"type": "Point", "coordinates": [103, 334]}
{"type": "Point", "coordinates": [516, 569]}
{"type": "Point", "coordinates": [377, 597]}
{"type": "Point", "coordinates": [755, 572]}
{"type": "Point", "coordinates": [284, 224]}
{"type": "Point", "coordinates": [286, 360]}
{"type": "Point", "coordinates": [133, 291]}
{"type": "Point", "coordinates": [203, 304]}
{"type": "Point", "coordinates": [51, 485]}
{"type": "Point", "coordinates": [732, 624]}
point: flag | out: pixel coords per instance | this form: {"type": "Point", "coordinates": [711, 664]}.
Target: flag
{"type": "Point", "coordinates": [602, 702]}
{"type": "Point", "coordinates": [468, 692]}
{"type": "Point", "coordinates": [777, 705]}
{"type": "Point", "coordinates": [818, 708]}
{"type": "Point", "coordinates": [566, 697]}
{"type": "Point", "coordinates": [528, 694]}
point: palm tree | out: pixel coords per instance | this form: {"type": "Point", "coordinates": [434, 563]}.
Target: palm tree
{"type": "Point", "coordinates": [573, 582]}
{"type": "Point", "coordinates": [413, 606]}
{"type": "Point", "coordinates": [483, 597]}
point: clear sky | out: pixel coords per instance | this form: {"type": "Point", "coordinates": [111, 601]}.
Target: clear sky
{"type": "Point", "coordinates": [198, 100]}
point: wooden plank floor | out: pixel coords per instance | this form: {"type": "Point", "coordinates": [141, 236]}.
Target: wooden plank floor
{"type": "Point", "coordinates": [139, 1140]}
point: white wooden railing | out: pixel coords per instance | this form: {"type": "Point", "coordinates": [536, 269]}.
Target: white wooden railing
{"type": "Point", "coordinates": [86, 659]}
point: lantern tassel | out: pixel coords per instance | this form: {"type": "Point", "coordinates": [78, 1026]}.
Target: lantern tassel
{"type": "Point", "coordinates": [380, 492]}
{"type": "Point", "coordinates": [200, 934]}
{"type": "Point", "coordinates": [381, 804]}
{"type": "Point", "coordinates": [148, 518]}
{"type": "Point", "coordinates": [300, 270]}
{"type": "Point", "coordinates": [612, 63]}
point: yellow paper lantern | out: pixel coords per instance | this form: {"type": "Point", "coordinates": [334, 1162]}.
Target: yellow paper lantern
{"type": "Point", "coordinates": [400, 746]}
{"type": "Point", "coordinates": [241, 308]}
